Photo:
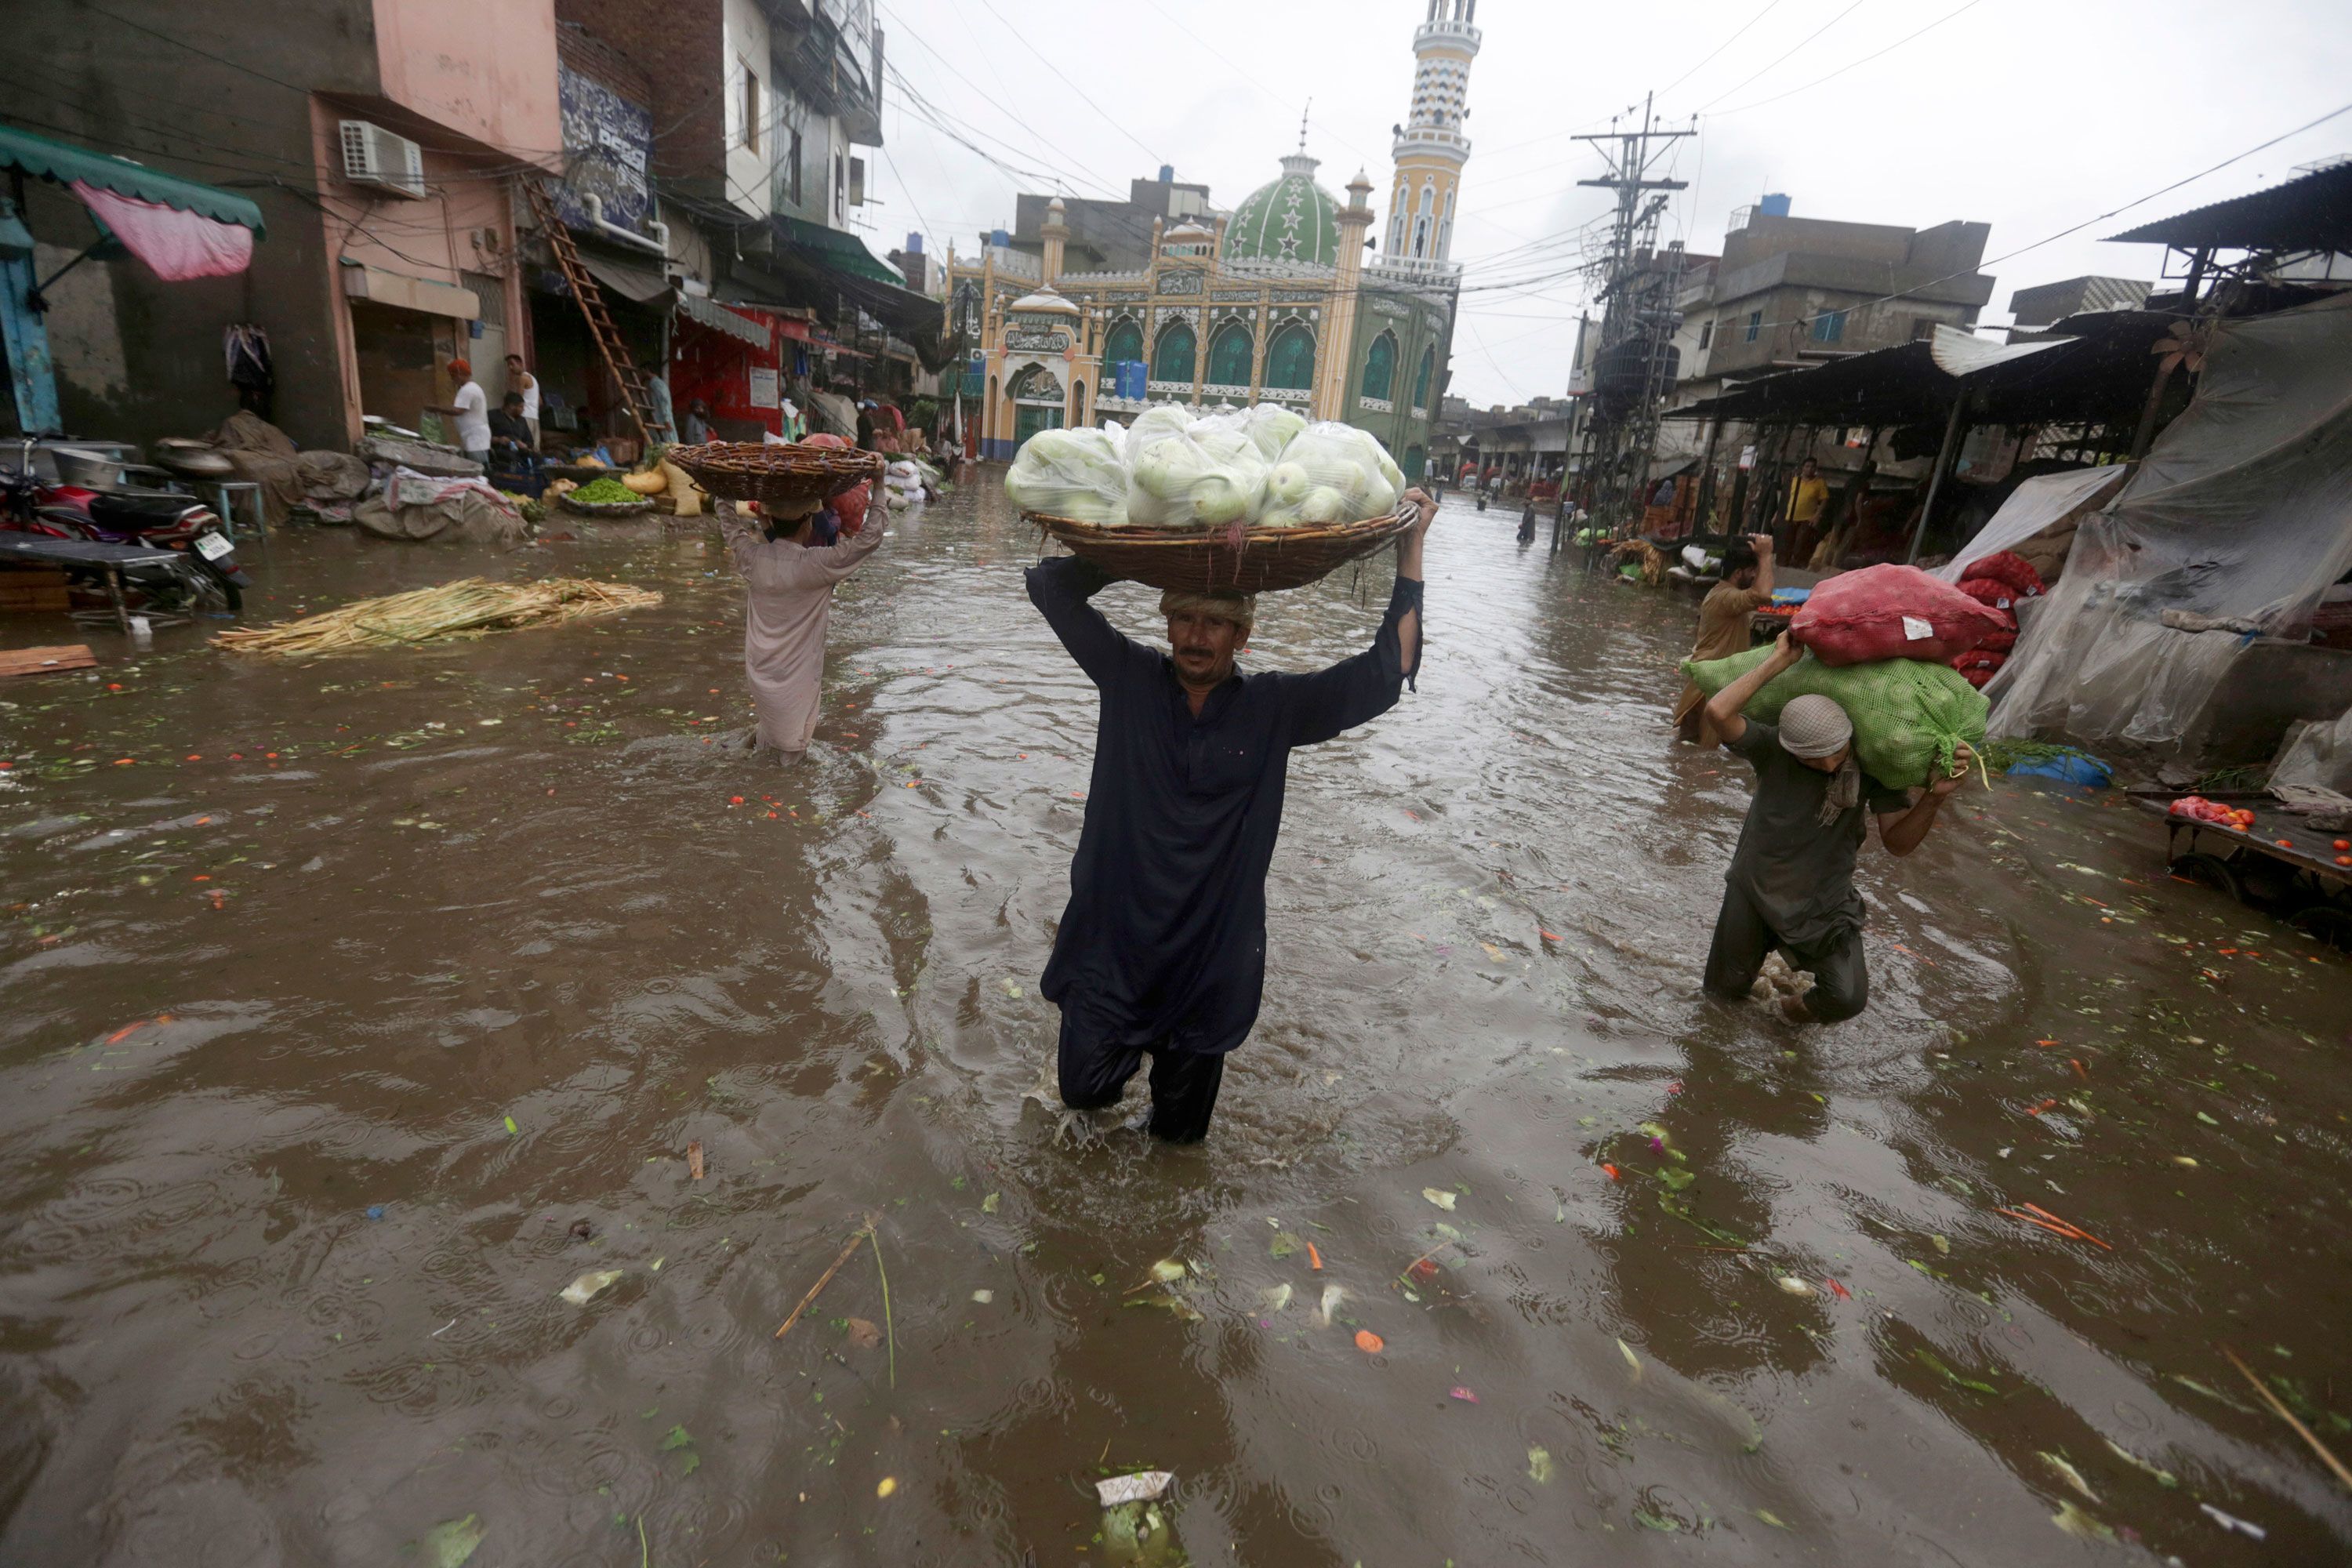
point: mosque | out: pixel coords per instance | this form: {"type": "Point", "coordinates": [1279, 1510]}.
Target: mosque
{"type": "Point", "coordinates": [1276, 302]}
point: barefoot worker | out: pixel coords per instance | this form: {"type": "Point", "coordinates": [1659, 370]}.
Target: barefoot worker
{"type": "Point", "coordinates": [1162, 948]}
{"type": "Point", "coordinates": [1791, 886]}
{"type": "Point", "coordinates": [792, 565]}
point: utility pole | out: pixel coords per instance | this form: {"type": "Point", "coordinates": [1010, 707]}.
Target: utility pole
{"type": "Point", "coordinates": [1637, 326]}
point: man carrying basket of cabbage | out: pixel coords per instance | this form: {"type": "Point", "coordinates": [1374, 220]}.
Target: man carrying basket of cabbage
{"type": "Point", "coordinates": [1161, 950]}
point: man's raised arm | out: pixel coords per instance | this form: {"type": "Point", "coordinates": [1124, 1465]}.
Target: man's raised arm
{"type": "Point", "coordinates": [1060, 587]}
{"type": "Point", "coordinates": [1357, 689]}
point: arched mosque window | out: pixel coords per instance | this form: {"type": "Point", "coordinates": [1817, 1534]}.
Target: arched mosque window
{"type": "Point", "coordinates": [1229, 355]}
{"type": "Point", "coordinates": [1421, 379]}
{"type": "Point", "coordinates": [1125, 342]}
{"type": "Point", "coordinates": [1290, 359]}
{"type": "Point", "coordinates": [1380, 366]}
{"type": "Point", "coordinates": [1174, 360]}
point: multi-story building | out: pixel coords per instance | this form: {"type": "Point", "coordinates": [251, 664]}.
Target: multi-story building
{"type": "Point", "coordinates": [381, 148]}
{"type": "Point", "coordinates": [1792, 290]}
{"type": "Point", "coordinates": [1271, 302]}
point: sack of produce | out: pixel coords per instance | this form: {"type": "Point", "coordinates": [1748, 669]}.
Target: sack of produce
{"type": "Point", "coordinates": [689, 497]}
{"type": "Point", "coordinates": [1155, 423]}
{"type": "Point", "coordinates": [1990, 592]}
{"type": "Point", "coordinates": [1332, 472]}
{"type": "Point", "coordinates": [1890, 612]}
{"type": "Point", "coordinates": [2011, 569]}
{"type": "Point", "coordinates": [1077, 474]}
{"type": "Point", "coordinates": [1998, 642]}
{"type": "Point", "coordinates": [1208, 474]}
{"type": "Point", "coordinates": [850, 505]}
{"type": "Point", "coordinates": [1272, 428]}
{"type": "Point", "coordinates": [1907, 714]}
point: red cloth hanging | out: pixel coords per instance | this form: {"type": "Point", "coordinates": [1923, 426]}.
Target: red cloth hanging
{"type": "Point", "coordinates": [178, 245]}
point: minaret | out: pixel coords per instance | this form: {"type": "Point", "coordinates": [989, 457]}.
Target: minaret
{"type": "Point", "coordinates": [1055, 233]}
{"type": "Point", "coordinates": [1331, 399]}
{"type": "Point", "coordinates": [1430, 148]}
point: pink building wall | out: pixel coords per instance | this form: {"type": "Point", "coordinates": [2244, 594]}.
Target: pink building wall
{"type": "Point", "coordinates": [474, 83]}
{"type": "Point", "coordinates": [484, 68]}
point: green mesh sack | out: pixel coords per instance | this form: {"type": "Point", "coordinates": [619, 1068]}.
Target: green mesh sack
{"type": "Point", "coordinates": [1908, 713]}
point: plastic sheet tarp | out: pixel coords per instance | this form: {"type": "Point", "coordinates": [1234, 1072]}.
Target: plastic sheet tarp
{"type": "Point", "coordinates": [2239, 513]}
{"type": "Point", "coordinates": [2033, 506]}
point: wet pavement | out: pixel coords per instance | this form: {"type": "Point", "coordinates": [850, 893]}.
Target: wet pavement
{"type": "Point", "coordinates": [349, 1010]}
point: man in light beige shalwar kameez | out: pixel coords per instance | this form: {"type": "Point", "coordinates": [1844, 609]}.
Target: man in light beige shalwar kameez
{"type": "Point", "coordinates": [791, 606]}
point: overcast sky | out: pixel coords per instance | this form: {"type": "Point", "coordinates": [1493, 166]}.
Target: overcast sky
{"type": "Point", "coordinates": [2030, 115]}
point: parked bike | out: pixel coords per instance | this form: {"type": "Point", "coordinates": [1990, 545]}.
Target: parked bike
{"type": "Point", "coordinates": [157, 520]}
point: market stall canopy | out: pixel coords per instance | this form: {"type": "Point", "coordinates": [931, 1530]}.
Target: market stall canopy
{"type": "Point", "coordinates": [836, 250]}
{"type": "Point", "coordinates": [2314, 213]}
{"type": "Point", "coordinates": [639, 283]}
{"type": "Point", "coordinates": [807, 253]}
{"type": "Point", "coordinates": [719, 319]}
{"type": "Point", "coordinates": [2089, 368]}
{"type": "Point", "coordinates": [178, 228]}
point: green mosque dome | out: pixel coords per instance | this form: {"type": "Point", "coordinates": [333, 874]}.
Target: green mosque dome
{"type": "Point", "coordinates": [1294, 220]}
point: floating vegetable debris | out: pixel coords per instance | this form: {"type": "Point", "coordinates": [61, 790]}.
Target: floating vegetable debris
{"type": "Point", "coordinates": [470, 607]}
{"type": "Point", "coordinates": [589, 1286]}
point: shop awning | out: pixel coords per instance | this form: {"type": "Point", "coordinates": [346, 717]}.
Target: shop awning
{"type": "Point", "coordinates": [65, 164]}
{"type": "Point", "coordinates": [2089, 368]}
{"type": "Point", "coordinates": [639, 283]}
{"type": "Point", "coordinates": [836, 250]}
{"type": "Point", "coordinates": [719, 319]}
{"type": "Point", "coordinates": [2314, 213]}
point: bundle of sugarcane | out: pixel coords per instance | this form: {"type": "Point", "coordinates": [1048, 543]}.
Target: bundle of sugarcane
{"type": "Point", "coordinates": [470, 607]}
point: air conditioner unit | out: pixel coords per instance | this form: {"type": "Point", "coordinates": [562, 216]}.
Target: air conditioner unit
{"type": "Point", "coordinates": [375, 156]}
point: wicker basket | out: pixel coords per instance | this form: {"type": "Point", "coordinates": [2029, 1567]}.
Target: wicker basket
{"type": "Point", "coordinates": [1192, 561]}
{"type": "Point", "coordinates": [775, 475]}
{"type": "Point", "coordinates": [605, 508]}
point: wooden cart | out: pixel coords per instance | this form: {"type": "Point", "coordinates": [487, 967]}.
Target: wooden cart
{"type": "Point", "coordinates": [2281, 861]}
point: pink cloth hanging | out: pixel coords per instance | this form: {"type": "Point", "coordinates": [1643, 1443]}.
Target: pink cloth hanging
{"type": "Point", "coordinates": [177, 245]}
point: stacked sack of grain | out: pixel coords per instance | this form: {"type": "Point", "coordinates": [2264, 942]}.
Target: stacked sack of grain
{"type": "Point", "coordinates": [2000, 583]}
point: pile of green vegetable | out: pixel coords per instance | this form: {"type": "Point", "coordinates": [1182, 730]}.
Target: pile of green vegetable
{"type": "Point", "coordinates": [1264, 466]}
{"type": "Point", "coordinates": [604, 493]}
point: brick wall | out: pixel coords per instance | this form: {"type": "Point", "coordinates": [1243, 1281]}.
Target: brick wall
{"type": "Point", "coordinates": [592, 56]}
{"type": "Point", "coordinates": [677, 50]}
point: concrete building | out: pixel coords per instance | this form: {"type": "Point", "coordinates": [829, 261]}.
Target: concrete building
{"type": "Point", "coordinates": [378, 137]}
{"type": "Point", "coordinates": [1107, 235]}
{"type": "Point", "coordinates": [2046, 302]}
{"type": "Point", "coordinates": [1792, 290]}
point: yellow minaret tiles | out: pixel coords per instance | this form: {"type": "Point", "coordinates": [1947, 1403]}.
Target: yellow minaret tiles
{"type": "Point", "coordinates": [1430, 147]}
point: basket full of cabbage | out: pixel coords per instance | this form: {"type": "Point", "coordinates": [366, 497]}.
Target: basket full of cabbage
{"type": "Point", "coordinates": [1236, 500]}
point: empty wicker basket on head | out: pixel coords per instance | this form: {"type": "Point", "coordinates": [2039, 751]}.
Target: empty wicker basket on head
{"type": "Point", "coordinates": [1226, 561]}
{"type": "Point", "coordinates": [774, 475]}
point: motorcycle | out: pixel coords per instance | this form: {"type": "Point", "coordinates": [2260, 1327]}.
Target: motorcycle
{"type": "Point", "coordinates": [157, 520]}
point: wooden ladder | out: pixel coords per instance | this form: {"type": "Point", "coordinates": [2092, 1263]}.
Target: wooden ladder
{"type": "Point", "coordinates": [614, 353]}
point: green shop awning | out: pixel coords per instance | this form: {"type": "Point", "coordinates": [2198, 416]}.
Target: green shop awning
{"type": "Point", "coordinates": [833, 249]}
{"type": "Point", "coordinates": [64, 162]}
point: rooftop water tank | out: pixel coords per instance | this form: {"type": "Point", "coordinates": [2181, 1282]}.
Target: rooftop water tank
{"type": "Point", "coordinates": [1166, 174]}
{"type": "Point", "coordinates": [1774, 205]}
{"type": "Point", "coordinates": [998, 236]}
{"type": "Point", "coordinates": [914, 245]}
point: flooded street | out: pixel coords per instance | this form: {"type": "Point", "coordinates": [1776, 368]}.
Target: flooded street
{"type": "Point", "coordinates": [352, 1009]}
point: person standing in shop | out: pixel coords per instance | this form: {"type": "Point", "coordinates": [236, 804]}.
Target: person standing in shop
{"type": "Point", "coordinates": [521, 380]}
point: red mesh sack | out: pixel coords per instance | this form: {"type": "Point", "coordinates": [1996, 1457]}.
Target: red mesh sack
{"type": "Point", "coordinates": [850, 506]}
{"type": "Point", "coordinates": [1992, 592]}
{"type": "Point", "coordinates": [1891, 612]}
{"type": "Point", "coordinates": [1997, 642]}
{"type": "Point", "coordinates": [1979, 658]}
{"type": "Point", "coordinates": [2009, 567]}
{"type": "Point", "coordinates": [1977, 678]}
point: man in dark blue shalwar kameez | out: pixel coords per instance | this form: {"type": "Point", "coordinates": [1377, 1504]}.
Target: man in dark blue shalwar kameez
{"type": "Point", "coordinates": [1162, 950]}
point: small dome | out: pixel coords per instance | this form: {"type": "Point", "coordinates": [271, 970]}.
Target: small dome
{"type": "Point", "coordinates": [1187, 232]}
{"type": "Point", "coordinates": [1045, 299]}
{"type": "Point", "coordinates": [1293, 219]}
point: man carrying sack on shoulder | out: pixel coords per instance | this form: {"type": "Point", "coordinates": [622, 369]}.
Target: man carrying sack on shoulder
{"type": "Point", "coordinates": [1791, 885]}
{"type": "Point", "coordinates": [1162, 950]}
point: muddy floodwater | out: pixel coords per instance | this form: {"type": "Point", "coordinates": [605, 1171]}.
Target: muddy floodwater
{"type": "Point", "coordinates": [351, 1010]}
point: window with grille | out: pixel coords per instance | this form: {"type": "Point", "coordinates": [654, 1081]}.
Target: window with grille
{"type": "Point", "coordinates": [1755, 325]}
{"type": "Point", "coordinates": [492, 293]}
{"type": "Point", "coordinates": [1829, 326]}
